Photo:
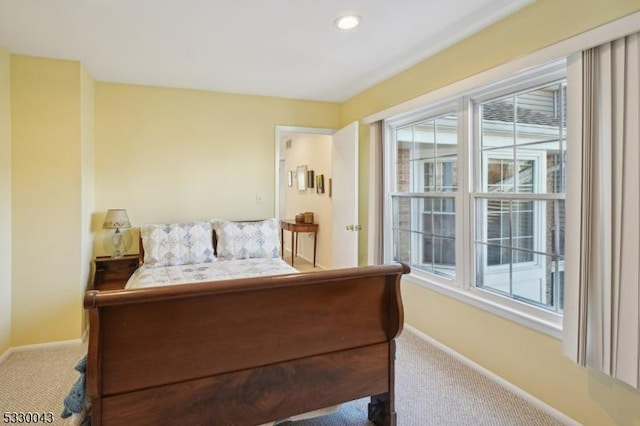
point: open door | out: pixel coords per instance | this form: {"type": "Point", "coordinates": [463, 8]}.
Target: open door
{"type": "Point", "coordinates": [344, 206]}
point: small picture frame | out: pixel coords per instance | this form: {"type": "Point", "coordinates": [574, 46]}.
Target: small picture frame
{"type": "Point", "coordinates": [301, 177]}
{"type": "Point", "coordinates": [310, 178]}
{"type": "Point", "coordinates": [320, 184]}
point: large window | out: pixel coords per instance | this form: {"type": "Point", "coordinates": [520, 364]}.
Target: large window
{"type": "Point", "coordinates": [426, 180]}
{"type": "Point", "coordinates": [520, 196]}
{"type": "Point", "coordinates": [476, 190]}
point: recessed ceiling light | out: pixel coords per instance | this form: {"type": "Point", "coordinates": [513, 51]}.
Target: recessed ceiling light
{"type": "Point", "coordinates": [347, 22]}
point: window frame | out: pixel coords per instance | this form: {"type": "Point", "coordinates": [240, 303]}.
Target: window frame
{"type": "Point", "coordinates": [434, 111]}
{"type": "Point", "coordinates": [469, 178]}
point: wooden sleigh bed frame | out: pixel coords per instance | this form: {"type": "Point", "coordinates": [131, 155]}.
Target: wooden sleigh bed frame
{"type": "Point", "coordinates": [245, 351]}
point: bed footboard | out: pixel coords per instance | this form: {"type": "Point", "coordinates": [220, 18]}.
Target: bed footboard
{"type": "Point", "coordinates": [243, 352]}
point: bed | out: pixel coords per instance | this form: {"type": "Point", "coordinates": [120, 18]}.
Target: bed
{"type": "Point", "coordinates": [240, 250]}
{"type": "Point", "coordinates": [244, 351]}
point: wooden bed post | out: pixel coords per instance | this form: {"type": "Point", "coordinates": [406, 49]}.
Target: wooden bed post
{"type": "Point", "coordinates": [94, 382]}
{"type": "Point", "coordinates": [381, 409]}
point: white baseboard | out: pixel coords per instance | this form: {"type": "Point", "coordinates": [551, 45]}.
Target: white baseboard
{"type": "Point", "coordinates": [49, 345]}
{"type": "Point", "coordinates": [560, 416]}
{"type": "Point", "coordinates": [287, 255]}
{"type": "Point", "coordinates": [5, 355]}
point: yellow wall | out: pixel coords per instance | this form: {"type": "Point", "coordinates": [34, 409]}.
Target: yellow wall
{"type": "Point", "coordinates": [46, 200]}
{"type": "Point", "coordinates": [5, 201]}
{"type": "Point", "coordinates": [170, 154]}
{"type": "Point", "coordinates": [541, 24]}
{"type": "Point", "coordinates": [173, 154]}
{"type": "Point", "coordinates": [526, 358]}
{"type": "Point", "coordinates": [79, 147]}
{"type": "Point", "coordinates": [314, 151]}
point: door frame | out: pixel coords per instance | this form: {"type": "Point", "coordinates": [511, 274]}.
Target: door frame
{"type": "Point", "coordinates": [279, 132]}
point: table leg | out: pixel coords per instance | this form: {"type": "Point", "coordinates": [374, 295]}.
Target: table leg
{"type": "Point", "coordinates": [293, 246]}
{"type": "Point", "coordinates": [315, 245]}
{"type": "Point", "coordinates": [282, 242]}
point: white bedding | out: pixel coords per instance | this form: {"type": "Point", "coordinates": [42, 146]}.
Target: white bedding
{"type": "Point", "coordinates": [212, 271]}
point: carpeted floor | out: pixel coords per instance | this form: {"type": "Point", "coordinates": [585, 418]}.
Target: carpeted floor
{"type": "Point", "coordinates": [36, 381]}
{"type": "Point", "coordinates": [432, 388]}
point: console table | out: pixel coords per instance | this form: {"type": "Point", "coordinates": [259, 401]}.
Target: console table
{"type": "Point", "coordinates": [295, 228]}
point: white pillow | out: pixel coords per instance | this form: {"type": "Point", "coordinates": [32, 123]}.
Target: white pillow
{"type": "Point", "coordinates": [244, 240]}
{"type": "Point", "coordinates": [177, 244]}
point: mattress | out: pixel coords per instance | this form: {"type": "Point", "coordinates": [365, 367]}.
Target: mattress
{"type": "Point", "coordinates": [212, 271]}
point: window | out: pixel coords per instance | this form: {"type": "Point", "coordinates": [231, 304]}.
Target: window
{"type": "Point", "coordinates": [476, 191]}
{"type": "Point", "coordinates": [519, 135]}
{"type": "Point", "coordinates": [426, 180]}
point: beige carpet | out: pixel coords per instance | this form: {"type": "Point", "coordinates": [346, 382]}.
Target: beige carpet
{"type": "Point", "coordinates": [432, 388]}
{"type": "Point", "coordinates": [37, 380]}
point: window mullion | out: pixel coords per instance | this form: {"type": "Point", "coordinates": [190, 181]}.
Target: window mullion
{"type": "Point", "coordinates": [464, 240]}
{"type": "Point", "coordinates": [511, 245]}
{"type": "Point", "coordinates": [514, 162]}
{"type": "Point", "coordinates": [556, 257]}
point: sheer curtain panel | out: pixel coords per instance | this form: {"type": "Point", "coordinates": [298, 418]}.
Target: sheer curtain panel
{"type": "Point", "coordinates": [601, 318]}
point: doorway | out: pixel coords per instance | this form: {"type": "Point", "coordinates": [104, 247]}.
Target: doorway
{"type": "Point", "coordinates": [326, 153]}
{"type": "Point", "coordinates": [304, 156]}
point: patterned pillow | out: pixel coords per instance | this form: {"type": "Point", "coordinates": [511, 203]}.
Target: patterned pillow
{"type": "Point", "coordinates": [244, 240]}
{"type": "Point", "coordinates": [177, 244]}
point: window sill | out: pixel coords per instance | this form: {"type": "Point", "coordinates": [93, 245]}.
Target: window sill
{"type": "Point", "coordinates": [547, 322]}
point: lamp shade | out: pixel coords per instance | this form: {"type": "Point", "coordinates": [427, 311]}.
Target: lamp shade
{"type": "Point", "coordinates": [116, 218]}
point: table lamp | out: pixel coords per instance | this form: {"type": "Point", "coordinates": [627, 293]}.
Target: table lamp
{"type": "Point", "coordinates": [116, 219]}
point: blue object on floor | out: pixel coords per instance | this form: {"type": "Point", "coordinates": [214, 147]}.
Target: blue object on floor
{"type": "Point", "coordinates": [74, 401]}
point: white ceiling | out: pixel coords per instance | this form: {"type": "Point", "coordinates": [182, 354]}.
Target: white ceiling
{"type": "Point", "coordinates": [284, 48]}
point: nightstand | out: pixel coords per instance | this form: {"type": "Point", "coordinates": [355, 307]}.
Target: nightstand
{"type": "Point", "coordinates": [112, 273]}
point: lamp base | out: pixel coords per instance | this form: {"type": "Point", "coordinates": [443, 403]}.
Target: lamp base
{"type": "Point", "coordinates": [117, 241]}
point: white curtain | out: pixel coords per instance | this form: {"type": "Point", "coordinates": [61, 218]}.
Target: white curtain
{"type": "Point", "coordinates": [376, 196]}
{"type": "Point", "coordinates": [602, 270]}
